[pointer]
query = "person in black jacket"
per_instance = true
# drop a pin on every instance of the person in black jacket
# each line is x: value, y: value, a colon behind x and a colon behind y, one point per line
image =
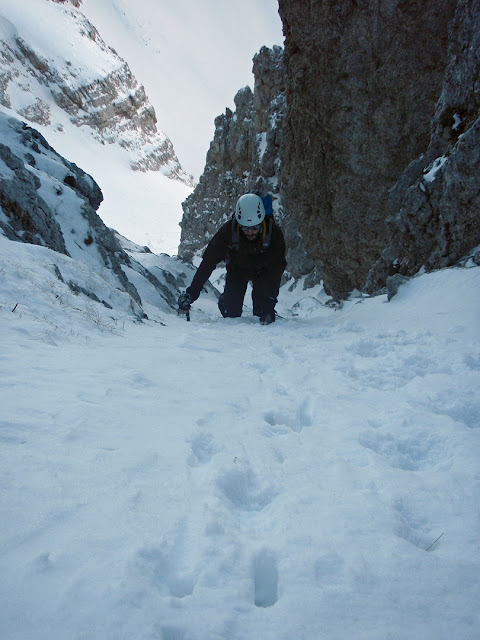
x: 253, y: 248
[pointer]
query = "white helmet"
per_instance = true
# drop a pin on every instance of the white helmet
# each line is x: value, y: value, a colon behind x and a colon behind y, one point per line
x: 249, y: 210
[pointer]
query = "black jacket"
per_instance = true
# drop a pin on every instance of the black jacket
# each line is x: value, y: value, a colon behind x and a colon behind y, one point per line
x: 249, y: 258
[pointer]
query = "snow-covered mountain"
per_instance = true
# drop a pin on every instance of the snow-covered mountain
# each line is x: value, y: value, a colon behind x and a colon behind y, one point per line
x: 219, y: 479
x: 84, y: 98
x: 189, y: 54
x: 51, y: 232
x: 78, y: 79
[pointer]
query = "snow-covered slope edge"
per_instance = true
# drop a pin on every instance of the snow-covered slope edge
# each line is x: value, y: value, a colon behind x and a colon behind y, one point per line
x: 67, y: 253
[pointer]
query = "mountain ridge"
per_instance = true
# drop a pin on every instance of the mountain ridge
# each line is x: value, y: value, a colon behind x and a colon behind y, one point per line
x: 81, y: 76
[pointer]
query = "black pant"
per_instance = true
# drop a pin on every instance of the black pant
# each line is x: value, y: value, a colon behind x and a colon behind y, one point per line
x: 264, y: 294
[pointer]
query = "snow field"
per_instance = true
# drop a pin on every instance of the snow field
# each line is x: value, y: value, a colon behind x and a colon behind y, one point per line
x: 223, y: 480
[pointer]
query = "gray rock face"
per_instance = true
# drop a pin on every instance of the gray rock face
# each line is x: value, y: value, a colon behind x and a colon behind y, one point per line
x: 362, y: 80
x: 76, y: 3
x: 244, y: 156
x: 436, y: 203
x: 28, y: 216
x: 226, y: 172
x: 49, y: 201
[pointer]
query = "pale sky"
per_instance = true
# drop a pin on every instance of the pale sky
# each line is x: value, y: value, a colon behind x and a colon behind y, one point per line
x: 192, y: 56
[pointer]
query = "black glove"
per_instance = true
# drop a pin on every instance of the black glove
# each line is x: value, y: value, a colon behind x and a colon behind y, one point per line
x: 184, y: 302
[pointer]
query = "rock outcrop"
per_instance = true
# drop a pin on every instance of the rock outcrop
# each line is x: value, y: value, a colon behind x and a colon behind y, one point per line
x: 244, y: 156
x: 227, y: 170
x: 436, y: 203
x: 362, y: 80
x: 48, y: 201
x: 76, y: 3
x: 41, y: 79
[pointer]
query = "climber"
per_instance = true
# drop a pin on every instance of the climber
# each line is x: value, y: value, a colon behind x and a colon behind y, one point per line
x: 253, y: 248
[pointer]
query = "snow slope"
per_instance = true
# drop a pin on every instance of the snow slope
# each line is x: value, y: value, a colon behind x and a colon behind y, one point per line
x: 143, y: 206
x: 220, y: 480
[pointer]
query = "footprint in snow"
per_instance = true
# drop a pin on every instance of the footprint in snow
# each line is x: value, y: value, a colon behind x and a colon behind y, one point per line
x: 241, y: 487
x: 167, y: 568
x: 172, y: 633
x: 462, y: 406
x: 203, y: 448
x: 411, y: 526
x: 406, y: 445
x: 265, y: 579
x: 369, y: 348
x: 294, y: 418
x: 139, y: 381
x: 472, y: 362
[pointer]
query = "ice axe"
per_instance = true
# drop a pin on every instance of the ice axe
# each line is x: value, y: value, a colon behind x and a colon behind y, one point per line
x: 184, y: 304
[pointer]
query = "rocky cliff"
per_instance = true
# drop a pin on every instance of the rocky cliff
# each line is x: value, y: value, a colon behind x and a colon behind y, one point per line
x: 45, y: 78
x: 366, y: 130
x: 46, y: 200
x: 435, y: 204
x: 362, y: 80
x: 244, y: 156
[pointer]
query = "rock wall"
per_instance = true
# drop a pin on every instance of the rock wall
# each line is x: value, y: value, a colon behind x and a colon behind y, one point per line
x: 226, y: 173
x: 436, y: 203
x: 244, y: 156
x: 27, y: 217
x: 362, y: 80
x: 48, y: 201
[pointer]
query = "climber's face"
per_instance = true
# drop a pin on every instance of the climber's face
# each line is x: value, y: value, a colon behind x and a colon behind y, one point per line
x: 251, y: 232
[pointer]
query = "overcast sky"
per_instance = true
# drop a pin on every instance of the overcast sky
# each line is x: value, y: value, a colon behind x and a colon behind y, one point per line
x: 191, y: 55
